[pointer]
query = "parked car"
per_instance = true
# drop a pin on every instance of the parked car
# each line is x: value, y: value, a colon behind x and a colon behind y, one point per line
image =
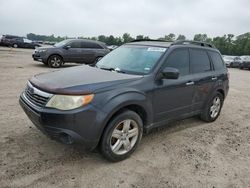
x: 23, y: 43
x: 1, y: 40
x: 6, y: 39
x: 236, y: 63
x: 112, y: 47
x: 133, y: 89
x: 245, y: 62
x: 71, y: 50
x: 230, y: 61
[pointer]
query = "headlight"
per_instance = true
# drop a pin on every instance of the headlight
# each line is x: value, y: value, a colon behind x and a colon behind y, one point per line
x: 40, y: 51
x: 67, y: 102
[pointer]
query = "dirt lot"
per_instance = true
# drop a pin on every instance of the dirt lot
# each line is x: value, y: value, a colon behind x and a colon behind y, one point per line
x: 187, y: 153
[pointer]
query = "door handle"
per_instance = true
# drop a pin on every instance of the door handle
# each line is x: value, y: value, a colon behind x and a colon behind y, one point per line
x: 190, y: 83
x: 214, y: 78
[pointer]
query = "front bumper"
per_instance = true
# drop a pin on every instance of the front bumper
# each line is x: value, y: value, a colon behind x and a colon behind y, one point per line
x: 39, y: 57
x: 81, y: 125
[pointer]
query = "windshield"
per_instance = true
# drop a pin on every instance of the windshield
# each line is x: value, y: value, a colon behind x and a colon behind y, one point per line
x: 62, y: 43
x: 132, y: 59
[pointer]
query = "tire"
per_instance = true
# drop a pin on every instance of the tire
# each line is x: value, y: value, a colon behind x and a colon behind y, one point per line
x: 121, y: 136
x: 15, y: 45
x: 55, y: 61
x: 213, y: 108
x: 98, y: 59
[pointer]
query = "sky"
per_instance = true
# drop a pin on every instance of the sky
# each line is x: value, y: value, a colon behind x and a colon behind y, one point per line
x: 153, y: 18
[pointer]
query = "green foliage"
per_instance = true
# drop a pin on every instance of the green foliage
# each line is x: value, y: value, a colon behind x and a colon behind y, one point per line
x: 181, y: 37
x: 50, y: 38
x: 227, y: 44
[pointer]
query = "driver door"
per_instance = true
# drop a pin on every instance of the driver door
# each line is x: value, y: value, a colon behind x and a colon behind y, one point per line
x: 73, y: 54
x: 173, y: 97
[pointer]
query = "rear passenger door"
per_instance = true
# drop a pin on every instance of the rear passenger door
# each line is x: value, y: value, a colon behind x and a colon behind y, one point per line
x: 203, y: 76
x: 90, y: 52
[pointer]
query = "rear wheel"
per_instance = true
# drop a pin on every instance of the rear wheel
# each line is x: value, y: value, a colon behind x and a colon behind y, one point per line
x: 213, y: 108
x: 121, y: 136
x: 15, y: 45
x: 55, y: 61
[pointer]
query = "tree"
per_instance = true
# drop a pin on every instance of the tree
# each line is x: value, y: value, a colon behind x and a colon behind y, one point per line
x: 169, y: 37
x: 126, y: 38
x: 181, y: 37
x: 201, y: 37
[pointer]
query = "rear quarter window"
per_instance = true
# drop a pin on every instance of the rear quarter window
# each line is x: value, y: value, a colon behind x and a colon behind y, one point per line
x: 217, y: 60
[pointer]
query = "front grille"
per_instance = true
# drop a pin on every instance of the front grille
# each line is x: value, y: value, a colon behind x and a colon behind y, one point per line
x: 36, y: 96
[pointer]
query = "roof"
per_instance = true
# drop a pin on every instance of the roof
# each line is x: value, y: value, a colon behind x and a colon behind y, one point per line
x: 88, y: 40
x: 161, y: 43
x: 164, y: 44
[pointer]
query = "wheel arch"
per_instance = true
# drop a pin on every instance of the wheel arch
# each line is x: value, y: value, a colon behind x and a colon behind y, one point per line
x: 133, y: 101
x: 221, y: 91
x: 55, y: 54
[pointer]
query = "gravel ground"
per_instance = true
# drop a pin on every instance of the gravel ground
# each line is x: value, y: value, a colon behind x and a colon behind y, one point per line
x: 188, y: 153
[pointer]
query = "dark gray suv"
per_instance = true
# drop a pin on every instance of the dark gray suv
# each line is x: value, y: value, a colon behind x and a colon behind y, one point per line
x: 133, y: 89
x: 72, y: 50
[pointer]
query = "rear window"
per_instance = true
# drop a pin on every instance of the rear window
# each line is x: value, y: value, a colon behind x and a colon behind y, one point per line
x: 217, y: 61
x: 199, y: 61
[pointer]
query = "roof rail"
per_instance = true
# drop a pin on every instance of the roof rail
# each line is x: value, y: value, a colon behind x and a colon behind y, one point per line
x: 154, y: 40
x: 198, y: 43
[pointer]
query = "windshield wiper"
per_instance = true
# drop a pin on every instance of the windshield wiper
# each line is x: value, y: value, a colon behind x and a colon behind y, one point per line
x: 112, y: 69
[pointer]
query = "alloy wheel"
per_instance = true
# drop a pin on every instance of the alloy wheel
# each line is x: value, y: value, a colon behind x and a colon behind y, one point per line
x: 55, y: 61
x: 124, y: 137
x: 215, y: 107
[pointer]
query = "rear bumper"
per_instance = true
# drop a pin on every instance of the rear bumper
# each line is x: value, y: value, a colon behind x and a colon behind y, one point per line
x: 245, y: 65
x: 80, y: 125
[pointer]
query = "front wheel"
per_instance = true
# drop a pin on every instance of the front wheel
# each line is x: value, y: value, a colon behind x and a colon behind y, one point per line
x: 213, y: 108
x: 121, y: 136
x: 55, y: 61
x: 15, y: 45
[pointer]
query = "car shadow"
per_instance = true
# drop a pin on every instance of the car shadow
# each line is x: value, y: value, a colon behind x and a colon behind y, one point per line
x: 80, y: 152
x: 41, y: 65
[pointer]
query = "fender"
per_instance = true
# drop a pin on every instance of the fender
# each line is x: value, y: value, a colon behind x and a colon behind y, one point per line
x: 217, y: 86
x: 123, y: 98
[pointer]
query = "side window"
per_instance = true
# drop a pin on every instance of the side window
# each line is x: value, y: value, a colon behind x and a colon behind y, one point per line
x: 91, y: 45
x: 199, y: 61
x: 217, y: 61
x: 75, y: 44
x: 179, y: 59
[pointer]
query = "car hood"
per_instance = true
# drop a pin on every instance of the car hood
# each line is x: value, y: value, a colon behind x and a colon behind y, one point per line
x: 80, y: 80
x: 45, y: 48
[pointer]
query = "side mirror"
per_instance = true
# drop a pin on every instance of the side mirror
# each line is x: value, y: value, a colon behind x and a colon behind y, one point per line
x: 170, y: 73
x: 67, y: 47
